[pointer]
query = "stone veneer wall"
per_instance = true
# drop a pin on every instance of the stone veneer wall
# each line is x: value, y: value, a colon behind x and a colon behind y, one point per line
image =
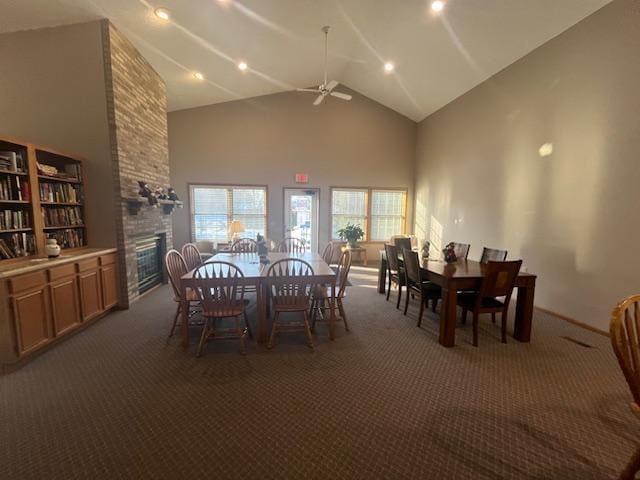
x: 137, y: 114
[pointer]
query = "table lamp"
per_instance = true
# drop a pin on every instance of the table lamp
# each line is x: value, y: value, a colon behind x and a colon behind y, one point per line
x: 235, y: 229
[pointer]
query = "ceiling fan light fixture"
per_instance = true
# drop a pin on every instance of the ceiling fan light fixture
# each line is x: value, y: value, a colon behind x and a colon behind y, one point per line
x: 389, y: 67
x: 437, y: 5
x: 162, y: 14
x: 242, y: 66
x: 198, y: 76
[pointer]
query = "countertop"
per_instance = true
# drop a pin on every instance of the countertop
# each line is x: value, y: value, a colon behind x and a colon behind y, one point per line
x: 39, y: 262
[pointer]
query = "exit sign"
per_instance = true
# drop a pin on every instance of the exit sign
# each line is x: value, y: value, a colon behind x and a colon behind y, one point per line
x: 302, y: 178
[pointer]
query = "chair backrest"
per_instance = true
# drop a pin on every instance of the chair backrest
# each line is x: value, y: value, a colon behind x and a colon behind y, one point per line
x: 391, y: 252
x: 245, y: 245
x: 411, y: 266
x: 176, y: 268
x: 191, y: 256
x: 327, y: 255
x: 205, y: 246
x: 402, y: 242
x: 499, y: 279
x: 625, y: 339
x: 342, y: 272
x: 493, y: 255
x: 462, y: 250
x: 221, y: 289
x: 292, y: 245
x: 290, y: 281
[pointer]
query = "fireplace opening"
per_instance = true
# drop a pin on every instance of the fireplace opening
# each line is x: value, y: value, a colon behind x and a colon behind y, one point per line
x: 149, y: 258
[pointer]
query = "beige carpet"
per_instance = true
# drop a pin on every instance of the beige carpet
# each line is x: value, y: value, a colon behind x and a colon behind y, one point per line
x: 383, y: 401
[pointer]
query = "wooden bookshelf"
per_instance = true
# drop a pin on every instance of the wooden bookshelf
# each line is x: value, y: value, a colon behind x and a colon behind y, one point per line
x: 36, y: 203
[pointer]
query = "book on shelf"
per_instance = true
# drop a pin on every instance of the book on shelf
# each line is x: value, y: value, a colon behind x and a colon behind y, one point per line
x: 11, y: 162
x: 62, y: 216
x: 14, y: 219
x: 72, y: 171
x: 17, y: 245
x: 59, y: 192
x: 68, y: 238
x: 13, y: 188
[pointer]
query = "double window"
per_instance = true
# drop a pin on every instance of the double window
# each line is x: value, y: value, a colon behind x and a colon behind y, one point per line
x: 214, y: 207
x: 381, y: 213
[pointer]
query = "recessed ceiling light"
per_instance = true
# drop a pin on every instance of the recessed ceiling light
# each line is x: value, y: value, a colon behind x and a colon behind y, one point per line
x: 198, y: 75
x: 243, y: 66
x: 162, y: 13
x: 437, y: 6
x: 389, y: 67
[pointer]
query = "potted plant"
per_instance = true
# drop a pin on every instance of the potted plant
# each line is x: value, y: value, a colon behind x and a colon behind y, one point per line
x: 351, y: 234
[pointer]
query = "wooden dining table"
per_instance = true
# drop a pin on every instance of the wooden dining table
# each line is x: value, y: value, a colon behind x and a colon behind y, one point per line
x: 467, y: 275
x: 255, y: 273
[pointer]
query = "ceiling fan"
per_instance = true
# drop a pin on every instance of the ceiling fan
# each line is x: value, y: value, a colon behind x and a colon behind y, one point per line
x: 325, y: 88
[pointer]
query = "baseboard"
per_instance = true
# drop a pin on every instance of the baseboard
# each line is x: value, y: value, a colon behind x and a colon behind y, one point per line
x: 573, y: 321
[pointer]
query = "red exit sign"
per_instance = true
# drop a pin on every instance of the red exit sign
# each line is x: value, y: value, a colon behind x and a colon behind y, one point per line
x: 302, y: 178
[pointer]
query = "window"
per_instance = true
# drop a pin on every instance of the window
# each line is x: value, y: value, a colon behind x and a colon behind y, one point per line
x: 380, y: 212
x: 348, y: 205
x: 214, y: 207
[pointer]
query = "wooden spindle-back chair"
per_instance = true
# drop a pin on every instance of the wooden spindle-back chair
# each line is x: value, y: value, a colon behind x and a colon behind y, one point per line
x: 290, y: 283
x: 625, y: 339
x: 245, y: 245
x: 191, y: 256
x: 417, y: 284
x: 221, y: 290
x: 176, y: 268
x: 327, y: 255
x: 322, y: 294
x: 292, y: 245
x: 395, y: 273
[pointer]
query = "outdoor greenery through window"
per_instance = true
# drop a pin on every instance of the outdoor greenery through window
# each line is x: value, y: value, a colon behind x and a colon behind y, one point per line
x: 380, y: 213
x: 214, y: 207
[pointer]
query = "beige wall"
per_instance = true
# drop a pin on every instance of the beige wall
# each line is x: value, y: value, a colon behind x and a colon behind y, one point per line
x: 572, y: 216
x: 52, y: 92
x: 266, y: 140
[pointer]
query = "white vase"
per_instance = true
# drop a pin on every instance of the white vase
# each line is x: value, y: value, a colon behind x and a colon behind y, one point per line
x: 52, y: 249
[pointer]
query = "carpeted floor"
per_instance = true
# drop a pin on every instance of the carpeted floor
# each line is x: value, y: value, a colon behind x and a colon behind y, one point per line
x: 383, y: 401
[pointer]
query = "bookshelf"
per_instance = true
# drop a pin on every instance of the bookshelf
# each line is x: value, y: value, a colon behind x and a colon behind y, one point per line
x: 41, y: 197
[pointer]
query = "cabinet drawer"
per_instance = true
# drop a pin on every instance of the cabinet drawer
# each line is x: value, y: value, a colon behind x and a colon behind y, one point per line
x: 61, y: 271
x: 109, y: 259
x: 27, y: 282
x: 90, y: 264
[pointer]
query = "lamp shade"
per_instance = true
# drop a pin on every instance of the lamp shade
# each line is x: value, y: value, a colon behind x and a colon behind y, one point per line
x: 235, y: 227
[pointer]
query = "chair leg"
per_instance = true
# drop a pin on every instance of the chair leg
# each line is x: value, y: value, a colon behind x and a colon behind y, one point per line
x: 434, y: 305
x: 273, y: 331
x: 475, y: 329
x: 464, y: 316
x: 389, y: 287
x: 175, y: 322
x: 399, y: 295
x: 421, y: 299
x: 406, y: 301
x: 307, y: 330
x: 632, y: 467
x: 493, y: 317
x: 203, y: 337
x: 342, y: 314
x: 243, y: 337
x: 246, y: 324
x: 504, y: 327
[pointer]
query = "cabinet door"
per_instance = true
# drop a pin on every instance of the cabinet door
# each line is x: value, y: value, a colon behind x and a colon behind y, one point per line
x: 31, y: 312
x: 64, y: 305
x: 109, y: 280
x: 90, y: 294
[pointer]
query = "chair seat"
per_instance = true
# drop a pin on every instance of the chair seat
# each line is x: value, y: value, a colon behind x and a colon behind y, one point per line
x: 192, y: 296
x: 324, y: 292
x: 289, y: 303
x: 468, y: 300
x: 428, y: 288
x: 224, y: 309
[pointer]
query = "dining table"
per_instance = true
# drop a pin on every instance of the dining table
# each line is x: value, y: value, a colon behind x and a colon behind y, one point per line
x: 255, y: 274
x: 467, y: 275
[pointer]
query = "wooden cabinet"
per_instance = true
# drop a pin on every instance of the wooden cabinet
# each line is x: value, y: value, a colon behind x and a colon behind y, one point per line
x: 109, y: 282
x: 64, y: 305
x: 32, y: 319
x: 90, y: 294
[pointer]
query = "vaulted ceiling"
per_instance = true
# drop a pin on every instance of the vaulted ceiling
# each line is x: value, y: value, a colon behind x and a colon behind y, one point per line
x: 437, y: 56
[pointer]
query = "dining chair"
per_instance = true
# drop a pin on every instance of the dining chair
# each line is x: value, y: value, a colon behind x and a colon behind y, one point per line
x: 176, y: 268
x: 292, y: 245
x: 493, y: 255
x: 323, y: 294
x: 395, y: 273
x: 624, y: 329
x: 327, y: 255
x: 221, y: 296
x: 191, y: 256
x: 290, y: 286
x: 245, y: 245
x: 498, y: 280
x: 417, y: 285
x: 461, y: 250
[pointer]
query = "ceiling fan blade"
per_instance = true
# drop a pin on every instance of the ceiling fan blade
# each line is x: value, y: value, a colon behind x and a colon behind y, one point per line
x: 331, y: 85
x: 314, y: 90
x: 318, y: 100
x: 343, y: 96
